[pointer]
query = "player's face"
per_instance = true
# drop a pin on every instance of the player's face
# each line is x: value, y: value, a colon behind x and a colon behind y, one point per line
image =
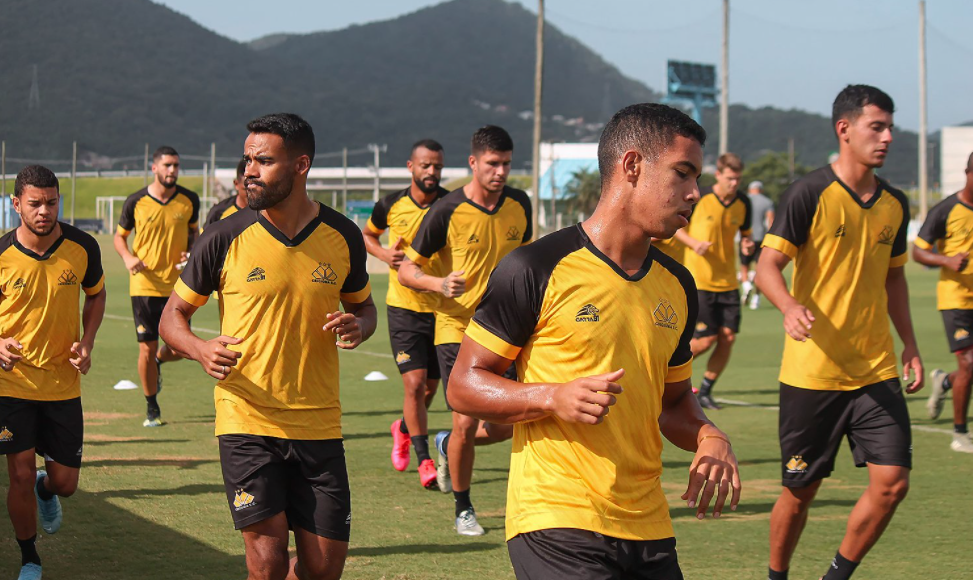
x: 240, y: 186
x: 38, y: 208
x: 869, y: 136
x: 166, y: 170
x: 427, y: 169
x: 270, y: 173
x: 667, y: 190
x: 491, y: 168
x: 728, y: 179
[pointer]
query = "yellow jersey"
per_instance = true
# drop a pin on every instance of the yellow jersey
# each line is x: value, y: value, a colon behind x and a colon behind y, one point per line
x: 949, y: 229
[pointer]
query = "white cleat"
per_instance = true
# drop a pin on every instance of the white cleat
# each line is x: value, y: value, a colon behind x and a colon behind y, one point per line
x: 962, y: 443
x: 937, y: 398
x: 466, y: 524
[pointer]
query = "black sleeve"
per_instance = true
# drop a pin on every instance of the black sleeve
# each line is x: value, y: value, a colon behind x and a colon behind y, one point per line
x: 934, y: 228
x: 748, y: 214
x: 95, y: 272
x: 524, y: 200
x: 433, y: 230
x: 797, y: 207
x: 380, y: 214
x: 214, y: 215
x: 194, y: 199
x: 901, y: 245
x: 202, y: 273
x: 683, y: 352
x: 127, y: 220
x: 511, y: 304
x: 357, y: 275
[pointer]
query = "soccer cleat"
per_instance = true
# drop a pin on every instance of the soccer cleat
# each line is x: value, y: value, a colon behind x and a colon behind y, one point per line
x: 427, y: 474
x: 962, y: 443
x: 49, y: 510
x: 707, y: 402
x: 442, y: 470
x: 400, y: 447
x: 30, y: 571
x: 466, y: 524
x: 755, y: 301
x: 937, y: 398
x: 747, y: 290
x: 158, y: 374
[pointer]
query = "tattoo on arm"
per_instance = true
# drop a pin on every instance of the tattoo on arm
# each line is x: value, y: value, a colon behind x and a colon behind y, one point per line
x: 419, y: 274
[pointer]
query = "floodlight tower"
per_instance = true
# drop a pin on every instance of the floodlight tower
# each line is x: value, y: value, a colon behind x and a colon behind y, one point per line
x: 693, y: 83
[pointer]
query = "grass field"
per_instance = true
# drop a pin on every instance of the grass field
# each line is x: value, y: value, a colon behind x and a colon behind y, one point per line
x: 151, y: 503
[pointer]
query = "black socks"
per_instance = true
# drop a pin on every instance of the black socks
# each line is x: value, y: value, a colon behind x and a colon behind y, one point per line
x: 42, y: 491
x: 28, y: 551
x: 421, y: 444
x: 463, y: 502
x: 841, y: 568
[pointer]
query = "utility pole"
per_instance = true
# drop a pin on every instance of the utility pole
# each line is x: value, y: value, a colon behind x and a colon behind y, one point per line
x: 3, y: 185
x: 146, y: 165
x: 377, y: 150
x: 344, y: 180
x: 923, y: 173
x: 790, y: 159
x: 211, y: 176
x: 74, y: 177
x: 538, y: 93
x: 725, y: 81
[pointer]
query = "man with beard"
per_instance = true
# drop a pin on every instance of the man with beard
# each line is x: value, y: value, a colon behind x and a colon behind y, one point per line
x: 470, y: 230
x: 164, y: 217
x: 44, y: 266
x: 233, y: 203
x: 845, y: 229
x: 280, y: 273
x: 411, y: 318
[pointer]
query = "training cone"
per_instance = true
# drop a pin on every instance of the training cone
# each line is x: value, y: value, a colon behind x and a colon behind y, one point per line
x: 376, y: 376
x: 125, y: 385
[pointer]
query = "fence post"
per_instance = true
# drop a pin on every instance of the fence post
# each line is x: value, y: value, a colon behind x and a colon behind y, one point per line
x: 74, y: 177
x: 146, y: 165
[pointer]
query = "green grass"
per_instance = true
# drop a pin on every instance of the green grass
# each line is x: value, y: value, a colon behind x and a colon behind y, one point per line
x: 151, y: 502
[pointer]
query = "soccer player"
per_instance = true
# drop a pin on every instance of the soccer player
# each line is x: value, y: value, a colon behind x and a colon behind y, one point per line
x: 470, y: 230
x: 411, y: 318
x: 845, y: 229
x: 44, y: 267
x: 599, y: 324
x: 232, y: 204
x: 164, y: 217
x: 947, y: 228
x: 280, y: 272
x: 762, y: 210
x: 711, y: 258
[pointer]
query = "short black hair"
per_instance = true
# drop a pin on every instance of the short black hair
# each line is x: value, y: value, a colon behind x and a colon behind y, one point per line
x: 164, y: 150
x: 969, y: 163
x: 852, y: 99
x: 240, y: 168
x: 296, y: 132
x: 430, y: 144
x: 491, y: 138
x: 36, y: 176
x: 645, y: 127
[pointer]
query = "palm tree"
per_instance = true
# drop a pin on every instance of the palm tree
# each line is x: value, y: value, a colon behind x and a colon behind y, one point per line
x: 583, y: 191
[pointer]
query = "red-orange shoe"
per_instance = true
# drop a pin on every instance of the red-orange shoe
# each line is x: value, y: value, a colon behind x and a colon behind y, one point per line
x: 427, y: 474
x: 400, y: 447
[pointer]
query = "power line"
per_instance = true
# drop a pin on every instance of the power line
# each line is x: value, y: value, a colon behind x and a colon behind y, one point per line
x: 639, y: 31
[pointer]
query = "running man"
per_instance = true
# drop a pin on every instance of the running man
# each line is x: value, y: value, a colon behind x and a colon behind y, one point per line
x: 280, y: 272
x: 44, y: 267
x: 411, y: 318
x: 164, y: 217
x: 710, y: 256
x: 948, y: 229
x: 762, y: 209
x: 598, y: 320
x: 845, y: 229
x: 232, y: 204
x: 470, y: 230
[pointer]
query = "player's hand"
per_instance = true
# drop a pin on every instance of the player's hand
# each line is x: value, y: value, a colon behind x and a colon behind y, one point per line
x: 957, y: 262
x: 82, y: 357
x: 395, y: 255
x: 216, y: 359
x: 134, y: 265
x: 454, y: 284
x: 346, y: 326
x: 702, y: 247
x: 586, y: 400
x: 798, y: 321
x: 714, y: 471
x: 747, y: 246
x: 8, y: 358
x: 912, y: 363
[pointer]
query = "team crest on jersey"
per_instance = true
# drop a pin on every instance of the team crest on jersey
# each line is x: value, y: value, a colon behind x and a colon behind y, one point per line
x: 179, y: 216
x: 402, y: 358
x: 840, y: 232
x: 20, y: 284
x: 242, y: 500
x: 665, y: 316
x: 961, y: 334
x: 140, y: 329
x: 67, y: 278
x: 473, y: 239
x: 796, y: 464
x: 700, y: 326
x: 513, y: 233
x: 257, y: 274
x: 886, y: 236
x: 588, y: 313
x: 402, y: 223
x: 324, y: 274
x: 6, y: 435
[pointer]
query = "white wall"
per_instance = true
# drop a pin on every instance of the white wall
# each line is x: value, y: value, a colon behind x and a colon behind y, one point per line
x: 956, y: 146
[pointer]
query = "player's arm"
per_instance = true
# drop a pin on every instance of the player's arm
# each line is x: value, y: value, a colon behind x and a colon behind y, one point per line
x: 898, y: 304
x: 392, y: 255
x: 213, y: 355
x: 412, y: 276
x: 92, y: 314
x: 770, y: 280
x: 714, y: 470
x: 700, y: 247
x: 355, y: 325
x: 132, y: 262
x: 927, y: 257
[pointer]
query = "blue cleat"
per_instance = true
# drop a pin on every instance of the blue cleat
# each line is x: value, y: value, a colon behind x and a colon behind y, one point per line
x: 30, y: 572
x: 49, y: 511
x: 442, y: 467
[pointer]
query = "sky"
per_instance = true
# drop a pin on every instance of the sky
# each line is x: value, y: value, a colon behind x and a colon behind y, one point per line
x: 783, y: 53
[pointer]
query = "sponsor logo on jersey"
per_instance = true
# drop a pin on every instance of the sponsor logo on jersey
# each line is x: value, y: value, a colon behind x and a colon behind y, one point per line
x: 6, y: 435
x: 67, y: 278
x: 242, y: 500
x: 402, y: 358
x: 840, y: 232
x: 257, y: 274
x: 513, y: 233
x: 886, y: 236
x: 20, y: 284
x: 324, y: 274
x: 961, y: 334
x: 588, y: 313
x: 403, y: 223
x: 473, y: 239
x: 665, y: 316
x: 796, y: 464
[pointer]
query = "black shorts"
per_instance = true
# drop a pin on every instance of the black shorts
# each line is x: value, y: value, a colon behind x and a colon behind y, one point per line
x: 412, y: 337
x: 747, y: 260
x: 812, y: 423
x: 568, y: 554
x: 54, y: 429
x: 717, y: 310
x: 148, y: 313
x: 959, y: 329
x: 307, y: 480
x: 447, y: 358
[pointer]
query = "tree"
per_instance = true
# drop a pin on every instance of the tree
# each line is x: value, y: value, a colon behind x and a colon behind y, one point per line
x: 583, y: 191
x: 772, y: 171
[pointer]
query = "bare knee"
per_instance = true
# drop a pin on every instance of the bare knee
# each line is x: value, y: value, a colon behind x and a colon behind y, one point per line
x: 319, y: 570
x: 414, y: 383
x: 62, y: 484
x: 23, y: 475
x: 464, y: 427
x: 799, y: 499
x: 726, y: 336
x: 148, y: 350
x: 892, y: 493
x: 702, y: 344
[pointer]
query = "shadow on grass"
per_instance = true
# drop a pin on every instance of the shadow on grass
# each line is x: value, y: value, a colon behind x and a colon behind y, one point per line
x: 749, y: 509
x: 138, y: 462
x: 373, y: 551
x: 353, y: 436
x: 734, y: 392
x: 129, y: 441
x: 686, y: 464
x: 370, y: 413
x: 193, y: 489
x: 196, y: 419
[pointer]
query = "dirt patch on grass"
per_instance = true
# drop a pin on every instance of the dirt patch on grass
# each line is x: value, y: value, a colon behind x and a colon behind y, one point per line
x: 111, y: 438
x: 96, y: 416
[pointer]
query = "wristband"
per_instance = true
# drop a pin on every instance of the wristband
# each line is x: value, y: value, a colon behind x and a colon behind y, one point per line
x: 723, y: 439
